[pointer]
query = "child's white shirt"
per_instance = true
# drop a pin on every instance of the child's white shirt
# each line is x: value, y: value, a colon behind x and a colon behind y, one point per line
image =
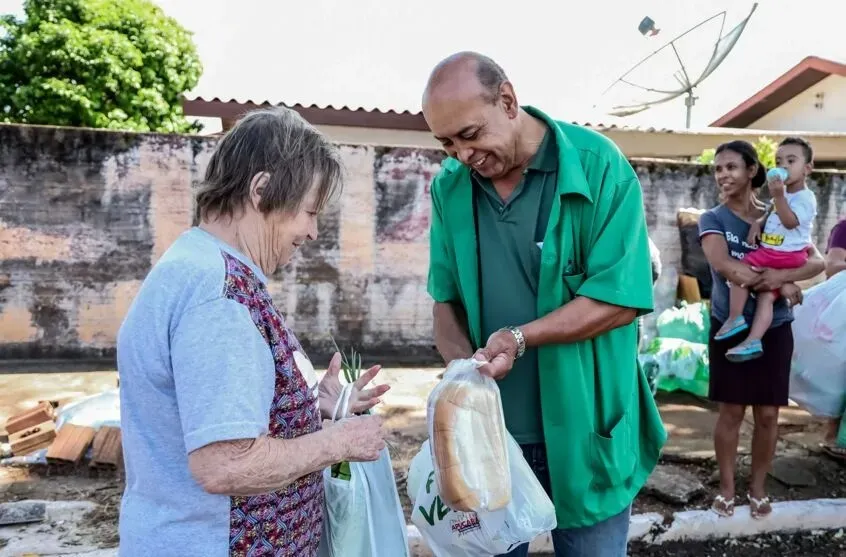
x: 777, y: 237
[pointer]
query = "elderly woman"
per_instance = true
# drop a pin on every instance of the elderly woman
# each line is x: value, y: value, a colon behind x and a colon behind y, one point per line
x: 835, y: 262
x: 220, y: 408
x: 762, y: 383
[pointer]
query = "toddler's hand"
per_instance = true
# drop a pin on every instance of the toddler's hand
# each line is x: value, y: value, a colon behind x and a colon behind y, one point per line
x: 776, y: 188
x: 754, y: 235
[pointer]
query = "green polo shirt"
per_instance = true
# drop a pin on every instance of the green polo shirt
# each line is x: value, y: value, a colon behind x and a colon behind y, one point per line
x: 510, y: 232
x: 601, y: 426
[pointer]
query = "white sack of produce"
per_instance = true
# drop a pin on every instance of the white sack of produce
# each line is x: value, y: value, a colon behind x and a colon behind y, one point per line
x: 468, y: 436
x: 818, y: 371
x: 452, y: 533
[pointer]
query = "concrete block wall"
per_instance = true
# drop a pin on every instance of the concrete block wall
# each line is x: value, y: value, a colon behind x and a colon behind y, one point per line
x: 84, y: 214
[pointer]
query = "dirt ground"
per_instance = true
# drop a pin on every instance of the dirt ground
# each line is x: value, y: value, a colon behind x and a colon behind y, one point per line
x: 404, y: 411
x: 407, y: 434
x: 62, y: 484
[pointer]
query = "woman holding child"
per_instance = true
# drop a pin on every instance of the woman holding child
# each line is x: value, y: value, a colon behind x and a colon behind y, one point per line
x: 757, y: 374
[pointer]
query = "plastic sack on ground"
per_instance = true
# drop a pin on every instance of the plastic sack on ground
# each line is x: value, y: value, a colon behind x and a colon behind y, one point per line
x: 690, y: 322
x: 452, y: 533
x: 818, y: 367
x: 362, y: 511
x: 468, y: 436
x: 673, y: 364
x: 101, y: 409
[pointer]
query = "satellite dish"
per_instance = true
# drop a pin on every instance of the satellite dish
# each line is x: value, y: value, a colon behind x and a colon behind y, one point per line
x: 684, y: 80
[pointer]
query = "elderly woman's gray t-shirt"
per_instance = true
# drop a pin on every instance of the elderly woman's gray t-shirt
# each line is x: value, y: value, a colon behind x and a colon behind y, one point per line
x: 204, y: 357
x: 720, y: 220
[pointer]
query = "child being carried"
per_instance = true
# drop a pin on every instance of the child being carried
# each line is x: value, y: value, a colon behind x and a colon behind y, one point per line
x: 785, y: 236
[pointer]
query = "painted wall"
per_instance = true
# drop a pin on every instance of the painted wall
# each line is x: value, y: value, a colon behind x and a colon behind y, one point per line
x: 822, y: 107
x: 84, y: 214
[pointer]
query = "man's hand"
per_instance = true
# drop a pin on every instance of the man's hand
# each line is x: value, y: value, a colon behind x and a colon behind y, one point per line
x: 754, y: 235
x: 498, y: 354
x: 792, y: 293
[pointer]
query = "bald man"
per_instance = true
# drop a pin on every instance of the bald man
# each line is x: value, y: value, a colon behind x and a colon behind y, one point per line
x: 540, y: 265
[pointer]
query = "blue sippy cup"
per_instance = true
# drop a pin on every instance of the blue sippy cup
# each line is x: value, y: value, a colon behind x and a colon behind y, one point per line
x: 776, y: 174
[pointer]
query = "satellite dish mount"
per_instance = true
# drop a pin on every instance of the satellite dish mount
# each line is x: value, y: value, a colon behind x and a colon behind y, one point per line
x: 686, y: 83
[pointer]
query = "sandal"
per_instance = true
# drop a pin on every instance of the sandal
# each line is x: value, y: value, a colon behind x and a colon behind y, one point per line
x: 745, y: 351
x: 732, y: 328
x: 759, y: 508
x: 722, y: 506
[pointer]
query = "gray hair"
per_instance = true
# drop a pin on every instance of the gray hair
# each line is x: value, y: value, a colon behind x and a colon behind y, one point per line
x: 278, y: 141
x: 490, y: 75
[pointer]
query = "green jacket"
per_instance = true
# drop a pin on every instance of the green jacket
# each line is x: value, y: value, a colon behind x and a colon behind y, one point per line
x: 602, y: 429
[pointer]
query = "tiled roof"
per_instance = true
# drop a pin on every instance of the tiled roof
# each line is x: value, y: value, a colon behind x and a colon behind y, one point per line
x: 314, y: 113
x: 345, y: 115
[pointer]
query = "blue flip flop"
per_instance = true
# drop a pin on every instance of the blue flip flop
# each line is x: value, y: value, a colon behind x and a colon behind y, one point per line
x: 745, y: 351
x: 738, y: 325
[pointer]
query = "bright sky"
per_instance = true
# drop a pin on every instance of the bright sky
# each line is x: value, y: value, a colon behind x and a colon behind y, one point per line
x: 560, y: 55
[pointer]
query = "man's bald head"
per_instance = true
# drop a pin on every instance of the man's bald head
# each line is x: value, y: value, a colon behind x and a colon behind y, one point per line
x: 472, y: 110
x: 466, y: 71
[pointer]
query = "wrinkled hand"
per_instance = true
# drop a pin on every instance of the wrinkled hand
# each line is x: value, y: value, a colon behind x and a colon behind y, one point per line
x: 361, y: 399
x: 792, y: 293
x: 361, y: 438
x: 769, y: 279
x: 498, y: 354
x: 754, y: 235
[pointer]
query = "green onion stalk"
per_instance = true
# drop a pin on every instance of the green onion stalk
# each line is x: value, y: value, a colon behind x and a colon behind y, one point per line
x: 351, y: 368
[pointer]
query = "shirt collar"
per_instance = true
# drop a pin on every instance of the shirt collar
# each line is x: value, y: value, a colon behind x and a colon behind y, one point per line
x: 546, y: 157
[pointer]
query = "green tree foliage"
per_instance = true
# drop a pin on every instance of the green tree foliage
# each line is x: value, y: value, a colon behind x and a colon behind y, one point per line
x: 117, y: 64
x: 765, y: 147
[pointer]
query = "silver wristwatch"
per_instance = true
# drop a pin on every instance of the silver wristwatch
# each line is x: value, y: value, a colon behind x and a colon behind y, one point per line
x: 521, y: 340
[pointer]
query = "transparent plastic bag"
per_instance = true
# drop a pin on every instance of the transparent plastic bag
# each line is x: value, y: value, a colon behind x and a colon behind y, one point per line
x: 362, y: 512
x: 452, y: 533
x: 818, y: 367
x: 469, y: 440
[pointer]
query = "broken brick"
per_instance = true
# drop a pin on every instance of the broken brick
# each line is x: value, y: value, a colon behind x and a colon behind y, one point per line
x: 107, y: 452
x: 71, y: 443
x: 42, y: 413
x: 33, y: 438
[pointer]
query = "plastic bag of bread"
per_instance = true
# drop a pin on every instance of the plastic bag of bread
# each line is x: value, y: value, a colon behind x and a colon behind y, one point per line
x: 451, y: 533
x: 468, y: 439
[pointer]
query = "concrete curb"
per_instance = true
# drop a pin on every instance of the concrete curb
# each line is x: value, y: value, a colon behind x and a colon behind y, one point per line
x: 788, y: 516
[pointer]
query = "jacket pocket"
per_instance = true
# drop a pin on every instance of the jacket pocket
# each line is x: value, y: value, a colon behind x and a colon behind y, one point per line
x: 612, y: 458
x: 573, y: 282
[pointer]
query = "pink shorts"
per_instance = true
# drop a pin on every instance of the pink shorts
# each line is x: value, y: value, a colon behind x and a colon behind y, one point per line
x: 774, y: 259
x: 766, y: 257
